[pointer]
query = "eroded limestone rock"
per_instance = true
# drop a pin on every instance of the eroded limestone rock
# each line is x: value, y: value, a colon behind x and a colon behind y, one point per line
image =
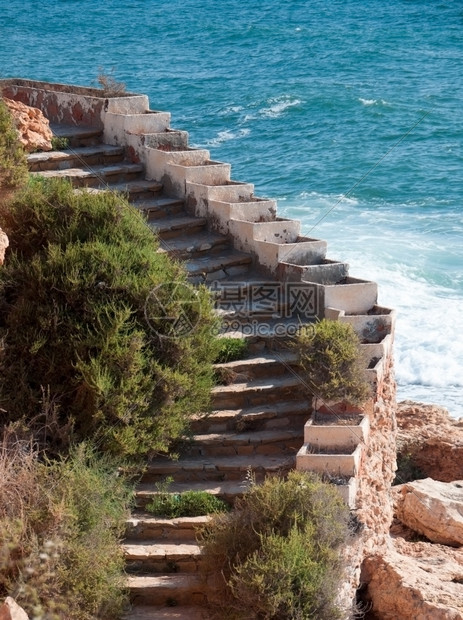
x: 10, y: 610
x: 432, y: 508
x: 415, y: 581
x: 33, y: 128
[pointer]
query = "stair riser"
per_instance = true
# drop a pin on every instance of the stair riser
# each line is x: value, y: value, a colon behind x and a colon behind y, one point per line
x: 290, y: 446
x: 165, y: 565
x: 172, y: 234
x: 239, y: 424
x: 105, y: 179
x: 212, y: 475
x: 254, y: 398
x: 158, y: 213
x: 199, y: 253
x: 169, y: 598
x: 243, y: 373
x: 76, y: 162
x: 150, y: 530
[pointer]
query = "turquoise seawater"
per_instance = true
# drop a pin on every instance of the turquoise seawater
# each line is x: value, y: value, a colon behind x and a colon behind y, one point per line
x: 348, y: 112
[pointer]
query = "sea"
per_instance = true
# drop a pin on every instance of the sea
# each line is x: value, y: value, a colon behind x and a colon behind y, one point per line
x: 348, y: 112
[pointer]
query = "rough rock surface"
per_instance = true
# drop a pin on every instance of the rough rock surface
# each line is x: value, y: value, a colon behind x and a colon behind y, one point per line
x: 3, y: 245
x: 433, y: 438
x: 415, y: 581
x: 33, y: 128
x: 10, y: 610
x: 431, y: 508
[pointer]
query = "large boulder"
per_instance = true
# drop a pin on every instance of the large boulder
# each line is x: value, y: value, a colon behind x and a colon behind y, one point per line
x: 419, y: 581
x: 33, y: 128
x: 3, y: 245
x: 432, y: 508
x: 432, y: 438
x: 10, y: 610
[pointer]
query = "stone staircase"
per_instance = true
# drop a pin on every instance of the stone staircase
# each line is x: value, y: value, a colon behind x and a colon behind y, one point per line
x: 267, y: 278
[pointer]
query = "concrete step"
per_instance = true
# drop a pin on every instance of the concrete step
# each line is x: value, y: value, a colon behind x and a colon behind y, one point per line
x: 279, y: 441
x: 258, y: 392
x: 170, y: 589
x: 75, y: 157
x: 97, y: 175
x: 261, y: 365
x: 227, y: 490
x: 136, y: 190
x: 161, y: 556
x: 176, y: 225
x: 217, y: 266
x: 167, y: 613
x: 286, y: 414
x: 163, y: 206
x: 269, y: 335
x: 143, y: 525
x: 81, y: 135
x: 216, y: 468
x: 196, y: 245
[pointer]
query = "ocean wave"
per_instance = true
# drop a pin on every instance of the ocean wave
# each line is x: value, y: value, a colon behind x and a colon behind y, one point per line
x: 226, y: 136
x: 369, y: 102
x: 278, y: 106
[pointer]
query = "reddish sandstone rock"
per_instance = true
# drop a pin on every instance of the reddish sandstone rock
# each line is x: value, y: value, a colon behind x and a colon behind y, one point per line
x: 434, y: 440
x: 33, y: 128
x: 415, y: 581
x: 3, y: 245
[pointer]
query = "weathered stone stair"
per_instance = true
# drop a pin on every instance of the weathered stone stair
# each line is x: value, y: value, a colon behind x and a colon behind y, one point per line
x: 230, y: 240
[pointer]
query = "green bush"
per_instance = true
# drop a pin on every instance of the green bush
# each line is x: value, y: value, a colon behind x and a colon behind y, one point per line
x: 278, y: 551
x: 90, y: 315
x: 60, y: 527
x: 13, y: 162
x: 331, y: 361
x: 230, y: 349
x: 186, y: 504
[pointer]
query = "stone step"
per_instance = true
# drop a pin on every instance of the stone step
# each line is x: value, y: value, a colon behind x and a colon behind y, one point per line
x: 96, y: 175
x: 280, y: 441
x: 136, y: 190
x: 226, y: 490
x: 163, y: 206
x: 80, y: 135
x: 143, y: 525
x: 170, y: 589
x: 217, y: 266
x: 258, y: 392
x: 167, y: 613
x: 194, y: 245
x: 176, y: 225
x: 161, y: 556
x: 216, y: 468
x: 269, y: 335
x: 75, y: 157
x: 261, y: 365
x: 286, y: 414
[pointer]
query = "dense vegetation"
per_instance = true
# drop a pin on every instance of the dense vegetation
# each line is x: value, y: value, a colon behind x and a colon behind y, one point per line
x: 13, y: 163
x: 331, y: 362
x: 278, y: 551
x: 89, y: 350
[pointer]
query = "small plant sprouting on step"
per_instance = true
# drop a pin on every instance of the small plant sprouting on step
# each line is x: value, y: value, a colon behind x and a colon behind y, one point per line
x: 110, y: 86
x: 231, y: 349
x: 186, y: 504
x: 59, y: 143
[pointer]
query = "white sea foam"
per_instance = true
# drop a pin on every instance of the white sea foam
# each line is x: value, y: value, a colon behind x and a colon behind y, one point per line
x: 278, y: 106
x: 226, y: 136
x: 368, y: 102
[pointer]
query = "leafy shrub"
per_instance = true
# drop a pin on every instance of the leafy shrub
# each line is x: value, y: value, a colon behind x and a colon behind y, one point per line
x: 407, y: 468
x: 85, y: 307
x: 60, y: 526
x: 331, y: 360
x: 186, y: 504
x: 13, y: 162
x: 230, y: 349
x: 278, y: 551
x: 59, y: 143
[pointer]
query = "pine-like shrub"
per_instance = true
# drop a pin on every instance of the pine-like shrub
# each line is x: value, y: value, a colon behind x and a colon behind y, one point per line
x: 331, y: 361
x: 278, y: 551
x: 13, y: 162
x: 102, y: 336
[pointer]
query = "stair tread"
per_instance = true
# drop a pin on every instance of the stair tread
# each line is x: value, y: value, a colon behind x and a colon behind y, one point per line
x: 61, y: 130
x: 223, y: 487
x: 176, y: 523
x: 93, y: 171
x: 178, y: 612
x: 177, y: 223
x: 245, y: 438
x: 259, y: 384
x: 275, y: 357
x: 210, y: 463
x: 157, y: 203
x: 159, y: 549
x: 81, y: 151
x: 202, y: 240
x: 216, y: 262
x: 301, y: 405
x: 171, y: 581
